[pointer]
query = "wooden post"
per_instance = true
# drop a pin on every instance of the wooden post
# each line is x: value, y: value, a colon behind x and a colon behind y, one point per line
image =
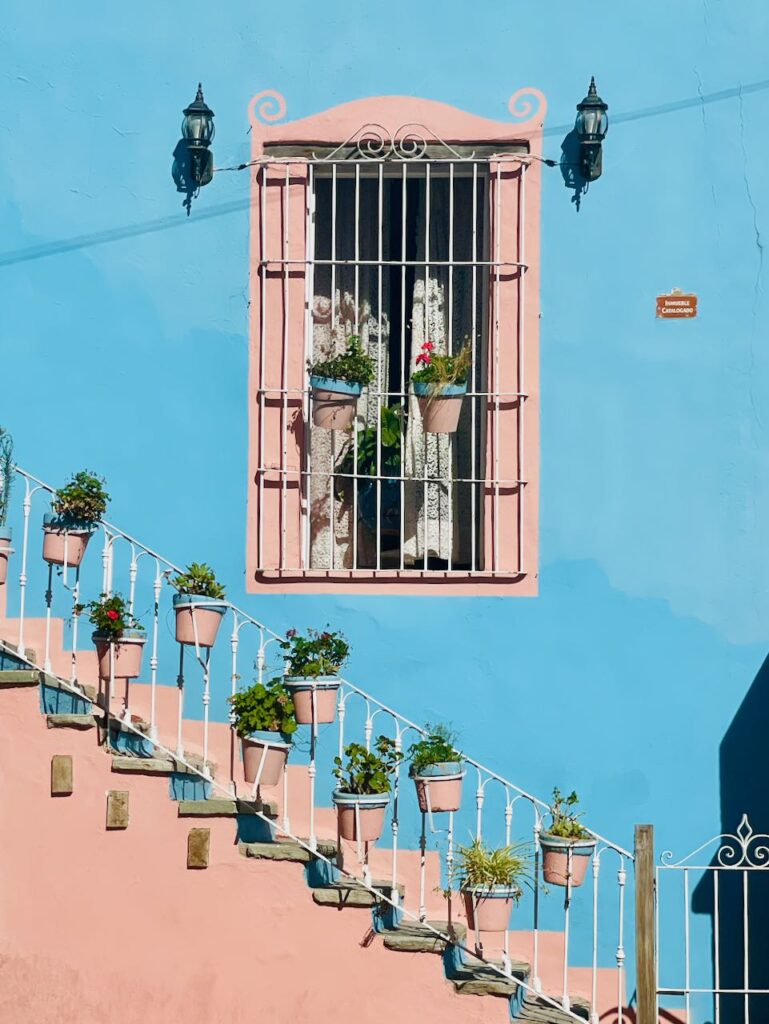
x: 646, y: 972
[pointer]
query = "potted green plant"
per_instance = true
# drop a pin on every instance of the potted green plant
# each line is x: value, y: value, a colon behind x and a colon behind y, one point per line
x: 491, y: 883
x: 379, y: 454
x: 567, y: 846
x: 263, y: 718
x: 199, y: 605
x: 363, y: 788
x: 436, y: 768
x: 337, y: 383
x: 313, y: 662
x: 440, y: 384
x: 6, y: 481
x: 77, y: 509
x: 118, y: 636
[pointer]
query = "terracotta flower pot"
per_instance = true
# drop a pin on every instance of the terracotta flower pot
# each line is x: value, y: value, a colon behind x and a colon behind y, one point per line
x: 333, y: 402
x: 127, y: 658
x: 364, y: 808
x: 325, y: 689
x: 555, y: 859
x: 439, y: 786
x: 264, y: 757
x: 440, y: 406
x: 5, y: 552
x: 489, y: 908
x: 193, y: 611
x: 65, y: 538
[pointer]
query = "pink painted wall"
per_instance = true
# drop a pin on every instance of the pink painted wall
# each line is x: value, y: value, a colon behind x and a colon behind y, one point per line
x: 98, y: 925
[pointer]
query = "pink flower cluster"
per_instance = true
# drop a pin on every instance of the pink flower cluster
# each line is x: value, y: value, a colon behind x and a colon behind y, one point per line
x: 425, y: 356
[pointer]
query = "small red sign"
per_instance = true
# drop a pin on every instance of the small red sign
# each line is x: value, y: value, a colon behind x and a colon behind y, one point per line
x: 676, y: 306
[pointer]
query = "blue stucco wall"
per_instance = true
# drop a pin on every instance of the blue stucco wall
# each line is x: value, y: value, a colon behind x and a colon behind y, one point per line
x: 123, y: 348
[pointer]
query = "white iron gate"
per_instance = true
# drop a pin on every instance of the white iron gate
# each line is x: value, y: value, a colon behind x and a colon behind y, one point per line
x: 712, y: 947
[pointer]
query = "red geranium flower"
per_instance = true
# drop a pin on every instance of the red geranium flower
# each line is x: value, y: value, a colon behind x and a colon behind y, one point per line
x: 428, y: 345
x: 112, y: 614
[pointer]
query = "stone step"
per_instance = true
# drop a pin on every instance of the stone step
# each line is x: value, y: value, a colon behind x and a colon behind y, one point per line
x: 84, y: 689
x: 415, y: 937
x: 71, y: 721
x: 11, y: 678
x: 287, y: 849
x: 221, y: 807
x: 160, y: 765
x: 535, y: 1008
x: 28, y: 654
x: 349, y: 893
x: 475, y: 978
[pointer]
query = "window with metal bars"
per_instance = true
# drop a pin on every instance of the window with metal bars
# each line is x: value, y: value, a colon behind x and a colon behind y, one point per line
x: 397, y: 241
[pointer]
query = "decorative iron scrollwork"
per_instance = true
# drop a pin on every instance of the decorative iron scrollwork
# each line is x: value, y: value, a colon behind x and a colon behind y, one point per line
x: 744, y: 849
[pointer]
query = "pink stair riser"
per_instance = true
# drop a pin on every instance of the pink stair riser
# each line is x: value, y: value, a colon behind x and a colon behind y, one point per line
x: 274, y: 758
x: 55, y: 541
x: 486, y: 912
x: 325, y: 703
x: 555, y: 866
x: 445, y: 793
x: 207, y: 622
x: 440, y: 415
x: 127, y: 658
x: 332, y: 410
x: 371, y: 822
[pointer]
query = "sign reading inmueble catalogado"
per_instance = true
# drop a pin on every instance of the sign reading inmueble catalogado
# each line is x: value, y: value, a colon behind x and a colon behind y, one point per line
x: 676, y: 306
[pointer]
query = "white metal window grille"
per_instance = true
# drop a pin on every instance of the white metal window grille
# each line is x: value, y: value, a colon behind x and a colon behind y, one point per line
x: 399, y: 242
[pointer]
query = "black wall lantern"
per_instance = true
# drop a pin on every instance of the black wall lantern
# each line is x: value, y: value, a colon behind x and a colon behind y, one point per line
x: 591, y: 127
x: 193, y: 161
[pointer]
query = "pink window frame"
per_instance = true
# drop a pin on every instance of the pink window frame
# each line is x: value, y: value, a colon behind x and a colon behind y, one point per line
x: 278, y: 223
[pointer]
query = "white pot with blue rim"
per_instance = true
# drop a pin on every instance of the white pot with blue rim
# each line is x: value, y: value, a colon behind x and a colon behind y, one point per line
x: 439, y: 406
x: 565, y: 861
x: 6, y: 551
x: 198, y: 619
x: 314, y: 698
x: 65, y: 538
x: 334, y: 402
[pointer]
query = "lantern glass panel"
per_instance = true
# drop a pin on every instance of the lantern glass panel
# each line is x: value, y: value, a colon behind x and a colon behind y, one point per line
x: 198, y: 127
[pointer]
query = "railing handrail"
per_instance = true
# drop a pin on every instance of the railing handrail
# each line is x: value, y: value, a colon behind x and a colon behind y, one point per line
x: 538, y: 804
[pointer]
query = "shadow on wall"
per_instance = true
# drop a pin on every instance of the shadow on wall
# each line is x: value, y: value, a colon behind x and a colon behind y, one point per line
x: 570, y: 172
x: 744, y: 782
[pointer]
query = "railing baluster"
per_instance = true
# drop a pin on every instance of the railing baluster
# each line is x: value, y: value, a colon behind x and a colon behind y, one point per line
x: 48, y: 614
x: 180, y: 704
x: 594, y: 977
x: 621, y: 880
x: 536, y: 979
x: 27, y: 506
x: 156, y: 589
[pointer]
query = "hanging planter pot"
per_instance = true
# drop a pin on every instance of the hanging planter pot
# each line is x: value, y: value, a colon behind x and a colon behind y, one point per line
x: 321, y: 691
x: 489, y: 908
x: 65, y: 539
x: 440, y: 406
x: 439, y: 786
x: 360, y: 815
x: 556, y: 854
x: 264, y: 757
x: 333, y: 402
x: 196, y: 615
x: 126, y: 660
x: 5, y: 552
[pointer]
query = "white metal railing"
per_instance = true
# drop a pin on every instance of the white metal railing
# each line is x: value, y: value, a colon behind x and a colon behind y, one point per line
x: 343, y: 225
x: 490, y: 813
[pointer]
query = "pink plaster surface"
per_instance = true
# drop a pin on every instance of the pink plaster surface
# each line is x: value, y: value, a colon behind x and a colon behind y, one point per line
x: 98, y: 925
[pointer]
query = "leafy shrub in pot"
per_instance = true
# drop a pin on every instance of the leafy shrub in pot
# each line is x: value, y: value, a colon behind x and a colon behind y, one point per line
x: 436, y: 768
x: 77, y: 509
x: 199, y: 605
x: 337, y: 383
x: 6, y: 482
x: 313, y: 661
x: 567, y: 846
x: 491, y: 882
x: 119, y: 638
x: 263, y: 718
x: 364, y: 780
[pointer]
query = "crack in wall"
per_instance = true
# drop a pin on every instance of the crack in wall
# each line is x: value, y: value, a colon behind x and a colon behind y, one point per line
x: 751, y: 202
